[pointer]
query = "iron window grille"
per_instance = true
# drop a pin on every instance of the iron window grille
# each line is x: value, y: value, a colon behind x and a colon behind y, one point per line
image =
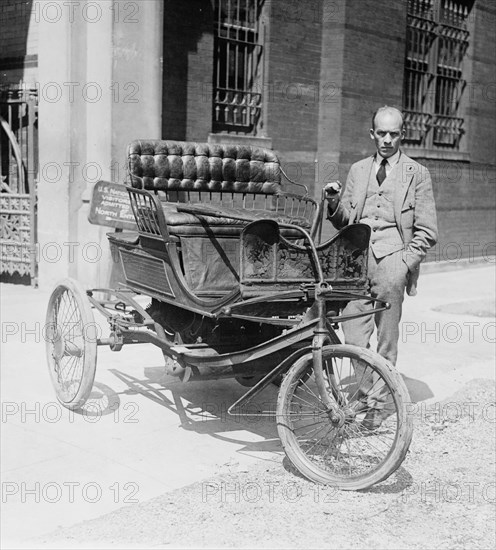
x: 436, y: 44
x: 238, y: 66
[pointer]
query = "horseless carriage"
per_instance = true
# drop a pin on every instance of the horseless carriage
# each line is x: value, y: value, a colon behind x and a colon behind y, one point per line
x: 239, y: 285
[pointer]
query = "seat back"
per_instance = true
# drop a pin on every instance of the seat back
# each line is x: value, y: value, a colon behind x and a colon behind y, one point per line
x: 232, y: 178
x: 180, y: 166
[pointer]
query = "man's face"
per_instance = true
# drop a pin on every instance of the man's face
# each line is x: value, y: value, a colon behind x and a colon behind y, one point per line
x: 387, y: 133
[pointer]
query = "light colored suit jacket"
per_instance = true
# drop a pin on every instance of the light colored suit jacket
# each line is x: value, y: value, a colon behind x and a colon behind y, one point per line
x: 414, y: 208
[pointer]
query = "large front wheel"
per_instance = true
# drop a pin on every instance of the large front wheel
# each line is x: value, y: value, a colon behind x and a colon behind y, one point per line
x: 71, y: 338
x: 356, y: 437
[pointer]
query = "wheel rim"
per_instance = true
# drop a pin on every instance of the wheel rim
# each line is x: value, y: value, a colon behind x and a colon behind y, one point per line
x: 335, y: 442
x: 67, y: 342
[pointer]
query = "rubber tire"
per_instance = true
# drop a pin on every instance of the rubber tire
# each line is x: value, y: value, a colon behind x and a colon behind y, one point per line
x: 89, y: 345
x: 404, y: 432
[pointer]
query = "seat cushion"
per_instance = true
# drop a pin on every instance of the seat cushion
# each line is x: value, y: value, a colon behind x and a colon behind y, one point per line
x: 186, y: 223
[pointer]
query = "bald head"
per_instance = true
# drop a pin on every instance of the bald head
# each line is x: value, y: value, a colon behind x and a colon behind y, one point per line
x: 396, y: 114
x: 387, y: 130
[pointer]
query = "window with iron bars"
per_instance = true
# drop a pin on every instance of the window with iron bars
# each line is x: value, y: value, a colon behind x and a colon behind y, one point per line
x: 238, y: 66
x: 436, y: 44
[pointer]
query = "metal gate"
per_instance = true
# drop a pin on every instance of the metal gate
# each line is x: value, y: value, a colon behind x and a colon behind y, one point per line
x: 18, y: 169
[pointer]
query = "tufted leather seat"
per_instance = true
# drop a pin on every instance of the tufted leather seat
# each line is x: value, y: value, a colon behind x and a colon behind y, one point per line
x: 185, y: 166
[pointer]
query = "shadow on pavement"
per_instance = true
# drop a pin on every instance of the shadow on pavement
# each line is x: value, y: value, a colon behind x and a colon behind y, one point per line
x: 205, y: 410
x: 418, y: 390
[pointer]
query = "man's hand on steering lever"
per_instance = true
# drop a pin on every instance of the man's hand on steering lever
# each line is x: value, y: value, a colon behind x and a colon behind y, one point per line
x: 333, y: 194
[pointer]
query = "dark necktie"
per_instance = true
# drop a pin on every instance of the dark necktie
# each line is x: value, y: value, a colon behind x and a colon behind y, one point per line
x: 381, y: 173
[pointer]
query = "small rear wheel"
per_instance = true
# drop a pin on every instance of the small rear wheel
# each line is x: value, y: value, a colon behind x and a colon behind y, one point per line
x: 71, y: 341
x: 362, y: 436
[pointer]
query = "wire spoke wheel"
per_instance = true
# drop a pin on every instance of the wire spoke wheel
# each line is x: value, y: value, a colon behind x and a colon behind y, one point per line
x: 71, y: 341
x: 358, y: 440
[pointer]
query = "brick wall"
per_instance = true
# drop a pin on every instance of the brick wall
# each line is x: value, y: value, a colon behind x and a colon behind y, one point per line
x: 293, y: 87
x: 373, y: 65
x: 187, y: 69
x: 465, y: 192
x: 18, y: 41
x: 480, y: 91
x: 16, y: 19
x: 465, y: 195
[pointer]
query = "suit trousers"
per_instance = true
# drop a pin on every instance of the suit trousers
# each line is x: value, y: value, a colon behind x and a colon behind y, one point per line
x: 387, y: 279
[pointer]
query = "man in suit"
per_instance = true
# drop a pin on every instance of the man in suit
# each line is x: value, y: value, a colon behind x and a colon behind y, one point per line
x: 392, y: 194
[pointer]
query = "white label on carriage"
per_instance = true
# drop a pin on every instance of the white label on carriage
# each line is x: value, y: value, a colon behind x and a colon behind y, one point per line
x: 110, y: 206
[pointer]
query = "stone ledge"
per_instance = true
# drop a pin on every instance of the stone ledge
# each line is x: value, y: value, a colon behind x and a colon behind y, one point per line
x: 228, y: 139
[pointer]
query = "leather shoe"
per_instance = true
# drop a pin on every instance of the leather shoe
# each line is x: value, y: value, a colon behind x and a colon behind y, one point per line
x: 372, y: 420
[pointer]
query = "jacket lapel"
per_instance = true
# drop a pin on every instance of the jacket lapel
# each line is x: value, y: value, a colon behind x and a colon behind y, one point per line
x: 362, y: 182
x: 404, y: 177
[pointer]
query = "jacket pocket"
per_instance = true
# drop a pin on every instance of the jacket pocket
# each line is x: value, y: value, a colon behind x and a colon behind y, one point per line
x: 406, y: 207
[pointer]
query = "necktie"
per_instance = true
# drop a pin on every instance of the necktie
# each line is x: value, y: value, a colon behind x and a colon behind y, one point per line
x: 381, y: 173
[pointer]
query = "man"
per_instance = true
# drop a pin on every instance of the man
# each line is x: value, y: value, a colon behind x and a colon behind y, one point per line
x: 392, y: 194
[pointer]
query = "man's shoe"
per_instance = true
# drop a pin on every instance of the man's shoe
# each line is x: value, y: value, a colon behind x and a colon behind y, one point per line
x: 372, y: 420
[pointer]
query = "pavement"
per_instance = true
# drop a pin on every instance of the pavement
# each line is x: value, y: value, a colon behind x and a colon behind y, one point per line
x: 144, y: 433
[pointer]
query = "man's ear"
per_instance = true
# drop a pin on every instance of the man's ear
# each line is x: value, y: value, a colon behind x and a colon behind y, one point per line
x: 372, y: 133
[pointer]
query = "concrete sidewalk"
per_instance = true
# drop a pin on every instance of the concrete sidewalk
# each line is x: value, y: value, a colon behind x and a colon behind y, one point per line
x: 144, y: 433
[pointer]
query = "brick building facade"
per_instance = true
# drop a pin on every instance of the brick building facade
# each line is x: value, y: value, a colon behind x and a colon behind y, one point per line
x: 316, y: 72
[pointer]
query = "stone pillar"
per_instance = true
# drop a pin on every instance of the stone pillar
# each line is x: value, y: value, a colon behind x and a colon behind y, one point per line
x: 55, y: 150
x: 136, y: 78
x: 329, y: 127
x: 331, y: 83
x: 104, y: 60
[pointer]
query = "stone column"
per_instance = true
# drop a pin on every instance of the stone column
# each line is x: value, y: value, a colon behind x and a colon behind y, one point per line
x: 55, y: 149
x: 104, y: 61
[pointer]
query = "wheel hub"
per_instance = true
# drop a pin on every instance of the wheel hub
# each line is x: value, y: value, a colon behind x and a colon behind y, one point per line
x: 337, y: 417
x: 58, y: 348
x: 63, y: 347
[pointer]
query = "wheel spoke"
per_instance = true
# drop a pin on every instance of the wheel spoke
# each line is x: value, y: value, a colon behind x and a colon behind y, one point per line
x: 306, y: 402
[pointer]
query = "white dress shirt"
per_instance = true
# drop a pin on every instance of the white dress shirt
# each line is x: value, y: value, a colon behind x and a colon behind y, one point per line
x: 390, y: 164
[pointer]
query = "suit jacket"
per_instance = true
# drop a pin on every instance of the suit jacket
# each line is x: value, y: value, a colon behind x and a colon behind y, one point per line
x: 414, y: 209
